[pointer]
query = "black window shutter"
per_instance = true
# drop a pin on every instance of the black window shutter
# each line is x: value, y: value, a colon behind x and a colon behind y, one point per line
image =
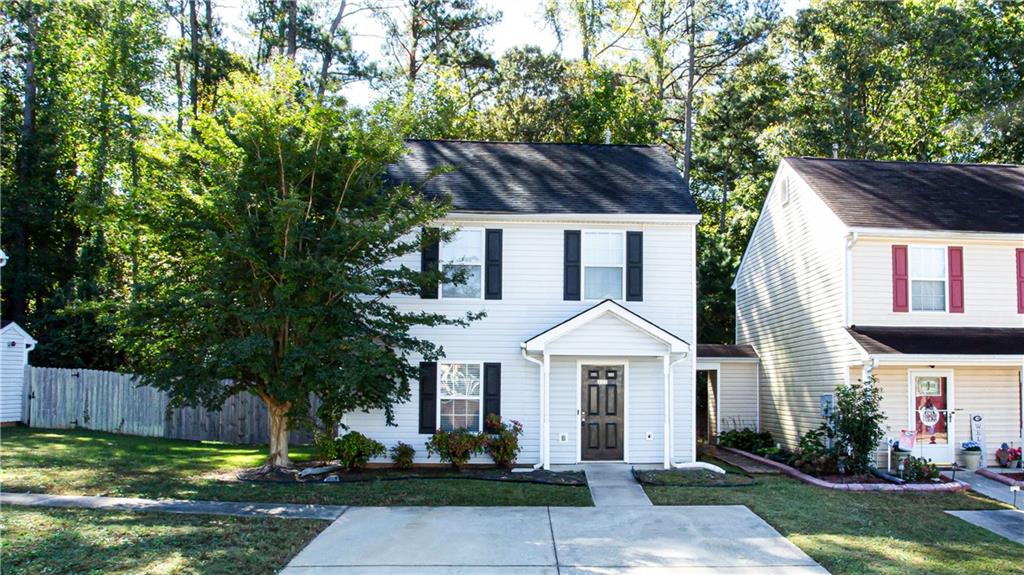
x: 492, y: 390
x: 428, y: 397
x: 634, y: 266
x: 571, y: 282
x: 492, y: 273
x: 429, y: 254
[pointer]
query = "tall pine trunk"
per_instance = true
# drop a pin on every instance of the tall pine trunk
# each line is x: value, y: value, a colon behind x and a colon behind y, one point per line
x: 18, y: 294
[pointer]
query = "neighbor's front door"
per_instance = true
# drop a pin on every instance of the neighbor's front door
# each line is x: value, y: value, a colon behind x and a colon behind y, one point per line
x: 601, y: 417
x: 931, y: 407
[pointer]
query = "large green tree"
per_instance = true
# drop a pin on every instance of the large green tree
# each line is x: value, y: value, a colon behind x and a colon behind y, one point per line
x: 275, y: 269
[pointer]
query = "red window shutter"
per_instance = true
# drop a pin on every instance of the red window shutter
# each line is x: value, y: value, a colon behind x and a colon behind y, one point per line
x: 900, y: 282
x: 956, y: 279
x: 1020, y: 280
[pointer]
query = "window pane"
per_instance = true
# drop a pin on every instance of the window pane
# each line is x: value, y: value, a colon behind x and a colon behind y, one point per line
x: 459, y: 379
x: 471, y: 288
x: 602, y: 283
x: 464, y: 248
x: 927, y: 262
x: 603, y: 249
x: 928, y: 295
x: 460, y: 414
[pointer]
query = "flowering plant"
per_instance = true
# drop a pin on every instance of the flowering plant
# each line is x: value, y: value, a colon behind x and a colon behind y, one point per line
x: 970, y: 446
x: 1006, y: 455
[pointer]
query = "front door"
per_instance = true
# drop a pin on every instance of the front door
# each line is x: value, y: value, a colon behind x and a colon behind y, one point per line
x: 931, y: 407
x: 602, y: 418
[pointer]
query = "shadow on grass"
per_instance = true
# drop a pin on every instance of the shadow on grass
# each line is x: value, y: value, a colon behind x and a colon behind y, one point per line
x: 91, y: 541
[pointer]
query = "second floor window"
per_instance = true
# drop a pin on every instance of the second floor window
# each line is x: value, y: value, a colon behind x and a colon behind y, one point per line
x: 604, y: 262
x: 928, y: 278
x: 464, y: 253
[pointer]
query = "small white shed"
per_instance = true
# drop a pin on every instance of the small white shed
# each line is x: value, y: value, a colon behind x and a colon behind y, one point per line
x: 15, y: 343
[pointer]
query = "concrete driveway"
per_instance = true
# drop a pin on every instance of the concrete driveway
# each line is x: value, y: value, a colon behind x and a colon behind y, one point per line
x: 701, y: 540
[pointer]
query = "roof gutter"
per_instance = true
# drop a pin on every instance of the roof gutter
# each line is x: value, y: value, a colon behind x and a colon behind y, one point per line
x: 937, y: 234
x: 456, y: 216
x: 1013, y: 360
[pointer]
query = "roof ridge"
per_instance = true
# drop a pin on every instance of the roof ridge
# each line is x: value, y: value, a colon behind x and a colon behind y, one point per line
x: 867, y: 161
x: 520, y: 142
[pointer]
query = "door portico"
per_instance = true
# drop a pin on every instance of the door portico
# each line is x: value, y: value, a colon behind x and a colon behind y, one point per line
x: 606, y: 336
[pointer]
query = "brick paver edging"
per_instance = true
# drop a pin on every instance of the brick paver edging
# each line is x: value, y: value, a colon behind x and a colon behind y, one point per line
x: 998, y: 477
x: 797, y: 474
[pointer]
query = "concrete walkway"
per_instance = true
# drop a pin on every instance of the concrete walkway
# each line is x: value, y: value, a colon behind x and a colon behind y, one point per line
x: 613, y: 485
x: 1006, y: 522
x: 987, y: 487
x: 705, y: 540
x: 280, y: 510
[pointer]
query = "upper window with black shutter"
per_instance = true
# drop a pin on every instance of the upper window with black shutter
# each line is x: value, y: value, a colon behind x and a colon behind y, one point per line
x: 464, y: 253
x: 604, y: 264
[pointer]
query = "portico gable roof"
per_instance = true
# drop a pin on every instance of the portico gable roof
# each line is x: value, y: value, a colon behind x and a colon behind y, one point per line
x: 539, y: 342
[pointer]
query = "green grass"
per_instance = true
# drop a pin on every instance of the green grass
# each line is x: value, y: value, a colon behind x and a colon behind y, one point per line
x: 51, y: 541
x: 94, y: 463
x: 891, y: 533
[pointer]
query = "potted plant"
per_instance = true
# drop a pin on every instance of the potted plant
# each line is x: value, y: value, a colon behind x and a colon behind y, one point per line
x: 897, y: 453
x: 971, y: 451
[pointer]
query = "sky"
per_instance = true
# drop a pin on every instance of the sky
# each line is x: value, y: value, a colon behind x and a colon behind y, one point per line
x: 522, y: 23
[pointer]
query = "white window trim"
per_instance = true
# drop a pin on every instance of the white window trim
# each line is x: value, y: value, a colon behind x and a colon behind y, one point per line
x: 911, y: 279
x: 584, y: 266
x: 480, y: 416
x: 483, y: 266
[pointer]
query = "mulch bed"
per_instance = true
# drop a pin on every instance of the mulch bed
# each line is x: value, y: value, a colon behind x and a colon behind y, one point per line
x: 539, y: 476
x: 692, y: 478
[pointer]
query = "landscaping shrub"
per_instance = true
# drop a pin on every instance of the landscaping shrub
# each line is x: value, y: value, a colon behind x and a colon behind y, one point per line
x: 324, y: 446
x: 845, y: 441
x: 746, y: 439
x: 402, y: 455
x: 354, y: 450
x: 503, y: 442
x: 916, y: 469
x: 455, y: 447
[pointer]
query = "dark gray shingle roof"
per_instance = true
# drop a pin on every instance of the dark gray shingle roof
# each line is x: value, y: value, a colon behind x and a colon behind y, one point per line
x: 710, y: 350
x: 919, y: 196
x: 548, y: 178
x: 940, y: 340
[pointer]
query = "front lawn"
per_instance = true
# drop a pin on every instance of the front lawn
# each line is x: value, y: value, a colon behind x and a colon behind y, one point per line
x: 94, y: 463
x: 40, y: 541
x: 891, y: 533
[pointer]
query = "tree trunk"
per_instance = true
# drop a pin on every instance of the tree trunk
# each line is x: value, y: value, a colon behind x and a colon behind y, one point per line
x: 691, y: 66
x: 278, y: 414
x: 725, y: 207
x: 292, y: 22
x: 193, y: 83
x: 325, y: 67
x: 18, y: 294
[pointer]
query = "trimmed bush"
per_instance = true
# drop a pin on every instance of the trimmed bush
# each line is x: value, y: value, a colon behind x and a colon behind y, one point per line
x: 354, y: 450
x: 455, y: 447
x: 503, y: 442
x: 402, y: 455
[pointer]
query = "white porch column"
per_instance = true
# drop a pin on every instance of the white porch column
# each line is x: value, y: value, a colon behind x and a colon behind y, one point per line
x: 546, y: 414
x: 668, y: 410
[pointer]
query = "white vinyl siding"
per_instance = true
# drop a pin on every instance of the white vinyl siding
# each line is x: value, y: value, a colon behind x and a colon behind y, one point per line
x: 790, y: 307
x: 609, y: 336
x: 737, y: 395
x: 531, y: 303
x: 13, y: 360
x: 990, y: 294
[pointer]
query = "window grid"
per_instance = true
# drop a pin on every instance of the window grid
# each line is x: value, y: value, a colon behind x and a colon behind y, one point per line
x: 460, y: 396
x: 603, y: 260
x: 465, y: 250
x: 928, y: 278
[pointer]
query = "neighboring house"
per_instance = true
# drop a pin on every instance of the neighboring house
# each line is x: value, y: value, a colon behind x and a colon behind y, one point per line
x: 15, y: 343
x: 583, y: 258
x: 908, y: 273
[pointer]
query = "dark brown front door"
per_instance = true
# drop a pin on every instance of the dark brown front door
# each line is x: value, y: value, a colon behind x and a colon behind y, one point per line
x: 601, y: 420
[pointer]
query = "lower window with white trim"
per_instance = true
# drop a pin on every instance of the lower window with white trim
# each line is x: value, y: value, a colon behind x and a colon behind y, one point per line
x: 460, y: 396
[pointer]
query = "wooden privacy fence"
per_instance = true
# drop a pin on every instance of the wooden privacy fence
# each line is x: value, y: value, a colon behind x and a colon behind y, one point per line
x: 108, y: 401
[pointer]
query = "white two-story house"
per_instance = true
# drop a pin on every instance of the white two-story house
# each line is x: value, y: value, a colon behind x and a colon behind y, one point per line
x: 582, y: 257
x: 908, y: 273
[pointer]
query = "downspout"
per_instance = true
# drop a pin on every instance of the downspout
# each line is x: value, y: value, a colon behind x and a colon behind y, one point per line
x: 851, y: 240
x: 671, y: 408
x: 540, y: 407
